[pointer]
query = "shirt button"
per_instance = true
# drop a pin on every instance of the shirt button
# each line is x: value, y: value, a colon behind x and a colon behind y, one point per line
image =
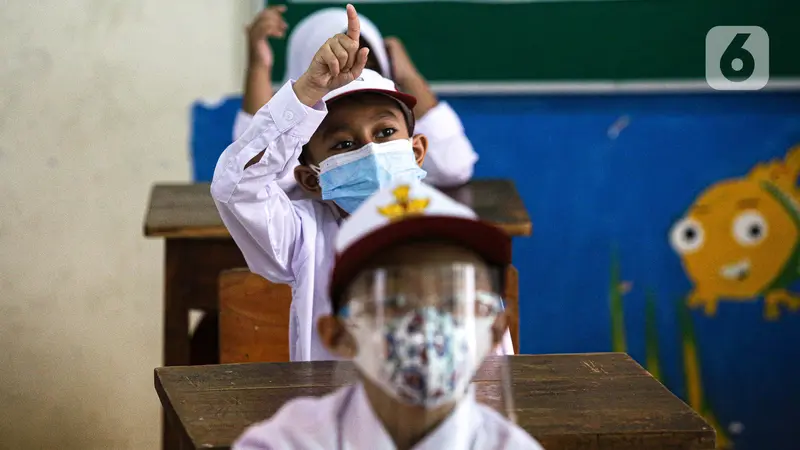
x: 288, y: 115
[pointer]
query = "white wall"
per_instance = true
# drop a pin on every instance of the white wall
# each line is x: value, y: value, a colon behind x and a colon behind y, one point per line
x: 94, y: 108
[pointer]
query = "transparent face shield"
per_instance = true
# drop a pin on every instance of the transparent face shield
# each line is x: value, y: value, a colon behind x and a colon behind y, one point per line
x: 423, y: 332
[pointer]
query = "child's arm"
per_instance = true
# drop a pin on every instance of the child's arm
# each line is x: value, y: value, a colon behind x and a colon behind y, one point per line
x: 258, y: 214
x: 258, y: 85
x: 450, y: 159
x: 297, y: 425
x: 258, y: 78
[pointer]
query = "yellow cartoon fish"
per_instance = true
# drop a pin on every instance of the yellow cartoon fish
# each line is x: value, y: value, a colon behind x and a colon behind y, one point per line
x: 740, y: 240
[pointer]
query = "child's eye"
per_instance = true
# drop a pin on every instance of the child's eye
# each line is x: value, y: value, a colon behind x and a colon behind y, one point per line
x: 344, y: 145
x: 386, y: 132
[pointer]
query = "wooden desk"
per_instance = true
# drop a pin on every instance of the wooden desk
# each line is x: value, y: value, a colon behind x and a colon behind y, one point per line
x: 568, y: 402
x: 199, y: 247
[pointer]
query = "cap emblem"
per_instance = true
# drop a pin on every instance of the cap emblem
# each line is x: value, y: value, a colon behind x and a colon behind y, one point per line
x: 403, y: 206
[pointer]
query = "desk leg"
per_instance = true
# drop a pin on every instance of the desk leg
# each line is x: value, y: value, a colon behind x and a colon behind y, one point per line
x: 176, y: 308
x: 191, y: 274
x: 176, y: 326
x: 511, y: 297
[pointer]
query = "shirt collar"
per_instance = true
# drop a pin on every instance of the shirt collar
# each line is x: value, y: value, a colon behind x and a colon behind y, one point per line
x: 363, y: 429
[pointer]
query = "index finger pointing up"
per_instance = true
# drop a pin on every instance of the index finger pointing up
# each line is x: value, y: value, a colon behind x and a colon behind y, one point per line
x: 353, y: 25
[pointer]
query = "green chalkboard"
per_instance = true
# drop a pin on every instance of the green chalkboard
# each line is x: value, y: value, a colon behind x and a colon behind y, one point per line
x: 586, y: 40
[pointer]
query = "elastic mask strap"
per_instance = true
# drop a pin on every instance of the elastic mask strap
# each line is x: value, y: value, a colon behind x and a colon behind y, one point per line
x: 314, y: 168
x: 343, y: 159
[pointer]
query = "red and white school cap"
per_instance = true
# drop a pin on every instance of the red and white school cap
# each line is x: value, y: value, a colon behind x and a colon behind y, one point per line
x: 407, y: 212
x: 371, y: 81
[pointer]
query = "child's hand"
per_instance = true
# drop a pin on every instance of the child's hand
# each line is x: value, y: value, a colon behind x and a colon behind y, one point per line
x: 403, y: 69
x: 269, y: 23
x: 338, y: 62
x: 408, y: 79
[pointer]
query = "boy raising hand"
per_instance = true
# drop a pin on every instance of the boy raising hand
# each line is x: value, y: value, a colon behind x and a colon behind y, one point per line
x: 450, y: 159
x: 352, y: 132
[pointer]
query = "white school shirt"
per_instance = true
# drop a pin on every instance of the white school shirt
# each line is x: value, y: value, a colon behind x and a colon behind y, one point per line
x: 450, y: 159
x: 311, y: 423
x: 284, y: 238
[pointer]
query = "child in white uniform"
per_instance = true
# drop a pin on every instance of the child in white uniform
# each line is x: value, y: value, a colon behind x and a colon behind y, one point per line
x: 352, y: 131
x: 415, y: 305
x: 451, y: 158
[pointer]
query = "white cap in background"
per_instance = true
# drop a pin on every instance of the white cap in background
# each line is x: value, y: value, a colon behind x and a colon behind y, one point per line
x: 309, y: 34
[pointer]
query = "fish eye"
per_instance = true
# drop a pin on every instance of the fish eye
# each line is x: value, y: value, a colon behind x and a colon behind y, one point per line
x: 687, y: 236
x: 749, y: 228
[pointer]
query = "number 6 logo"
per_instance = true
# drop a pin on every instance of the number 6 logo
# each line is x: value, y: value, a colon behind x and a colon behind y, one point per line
x: 737, y: 58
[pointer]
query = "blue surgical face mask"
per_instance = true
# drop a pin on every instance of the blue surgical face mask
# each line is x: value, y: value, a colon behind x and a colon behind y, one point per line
x: 350, y: 178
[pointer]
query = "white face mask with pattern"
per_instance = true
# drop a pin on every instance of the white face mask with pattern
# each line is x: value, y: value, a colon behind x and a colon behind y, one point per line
x: 425, y: 357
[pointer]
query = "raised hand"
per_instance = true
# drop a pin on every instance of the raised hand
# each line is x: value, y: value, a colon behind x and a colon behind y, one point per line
x: 338, y: 62
x: 268, y: 23
x: 408, y: 79
x: 403, y: 69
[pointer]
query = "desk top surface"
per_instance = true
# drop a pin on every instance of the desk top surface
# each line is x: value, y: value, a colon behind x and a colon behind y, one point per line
x: 597, y: 401
x: 187, y: 210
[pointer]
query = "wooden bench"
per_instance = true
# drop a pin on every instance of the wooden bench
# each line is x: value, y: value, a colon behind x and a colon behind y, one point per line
x: 568, y: 402
x: 253, y: 318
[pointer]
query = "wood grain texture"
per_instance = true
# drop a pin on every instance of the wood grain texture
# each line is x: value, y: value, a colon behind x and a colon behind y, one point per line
x: 191, y: 269
x: 253, y: 318
x: 568, y: 402
x: 187, y: 210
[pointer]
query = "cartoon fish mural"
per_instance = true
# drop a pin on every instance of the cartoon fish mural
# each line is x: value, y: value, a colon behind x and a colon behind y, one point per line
x: 740, y: 239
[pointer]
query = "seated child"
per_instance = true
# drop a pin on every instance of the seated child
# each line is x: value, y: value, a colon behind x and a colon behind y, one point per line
x: 415, y: 305
x: 352, y: 132
x: 451, y: 157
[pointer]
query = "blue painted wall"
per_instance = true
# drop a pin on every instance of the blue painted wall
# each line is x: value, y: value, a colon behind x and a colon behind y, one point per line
x: 600, y: 173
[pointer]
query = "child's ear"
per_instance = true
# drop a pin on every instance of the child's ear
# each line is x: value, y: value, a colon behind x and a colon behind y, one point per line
x: 335, y: 338
x: 499, y: 329
x: 420, y: 146
x: 308, y: 180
